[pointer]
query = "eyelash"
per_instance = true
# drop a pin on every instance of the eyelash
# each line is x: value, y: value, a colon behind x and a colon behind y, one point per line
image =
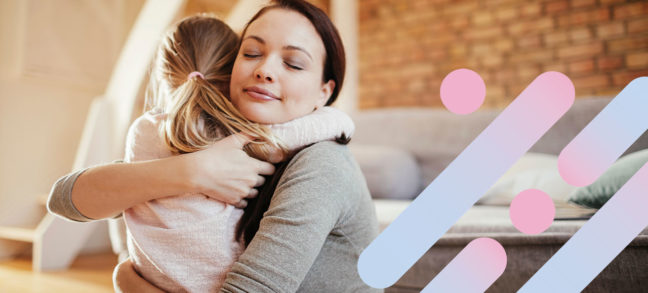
x: 293, y: 66
x: 246, y: 55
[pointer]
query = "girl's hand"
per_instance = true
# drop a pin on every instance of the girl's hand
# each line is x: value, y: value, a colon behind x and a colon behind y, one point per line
x: 126, y: 279
x: 225, y: 172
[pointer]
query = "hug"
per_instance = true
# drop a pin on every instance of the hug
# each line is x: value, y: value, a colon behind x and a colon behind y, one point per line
x: 237, y: 177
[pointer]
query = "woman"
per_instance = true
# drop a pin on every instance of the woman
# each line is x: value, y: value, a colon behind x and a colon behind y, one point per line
x: 320, y: 217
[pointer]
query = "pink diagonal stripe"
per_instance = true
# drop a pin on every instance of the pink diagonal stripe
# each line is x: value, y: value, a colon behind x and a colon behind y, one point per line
x: 474, y: 269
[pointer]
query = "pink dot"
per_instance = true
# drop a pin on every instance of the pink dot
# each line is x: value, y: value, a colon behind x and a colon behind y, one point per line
x: 532, y: 211
x: 463, y: 91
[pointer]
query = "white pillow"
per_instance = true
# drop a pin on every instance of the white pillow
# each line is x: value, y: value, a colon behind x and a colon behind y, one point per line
x: 533, y: 170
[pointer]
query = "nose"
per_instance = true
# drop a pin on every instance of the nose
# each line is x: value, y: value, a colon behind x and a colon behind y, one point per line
x: 263, y: 76
x: 263, y: 73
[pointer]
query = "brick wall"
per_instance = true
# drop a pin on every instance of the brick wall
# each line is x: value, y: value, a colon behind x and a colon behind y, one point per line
x: 407, y: 47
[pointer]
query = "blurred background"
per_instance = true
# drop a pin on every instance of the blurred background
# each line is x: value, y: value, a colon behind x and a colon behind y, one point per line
x: 57, y: 56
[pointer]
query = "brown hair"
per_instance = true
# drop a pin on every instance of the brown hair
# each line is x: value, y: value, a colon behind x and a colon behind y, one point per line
x: 198, y: 111
x: 334, y: 67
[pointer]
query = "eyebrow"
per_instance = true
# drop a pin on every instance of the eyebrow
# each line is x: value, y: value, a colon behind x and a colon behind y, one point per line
x: 289, y: 47
x: 298, y: 49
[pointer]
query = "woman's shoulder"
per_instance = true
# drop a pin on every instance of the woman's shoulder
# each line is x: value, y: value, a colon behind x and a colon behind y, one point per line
x: 332, y: 181
x: 325, y: 153
x: 332, y: 162
x: 327, y: 166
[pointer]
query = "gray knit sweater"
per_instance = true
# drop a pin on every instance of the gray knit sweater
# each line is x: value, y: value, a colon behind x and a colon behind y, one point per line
x: 320, y: 219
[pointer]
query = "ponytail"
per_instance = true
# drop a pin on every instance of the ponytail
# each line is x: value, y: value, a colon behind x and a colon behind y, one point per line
x: 189, y: 81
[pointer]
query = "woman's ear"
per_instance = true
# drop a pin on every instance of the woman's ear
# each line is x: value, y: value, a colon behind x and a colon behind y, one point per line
x: 325, y: 93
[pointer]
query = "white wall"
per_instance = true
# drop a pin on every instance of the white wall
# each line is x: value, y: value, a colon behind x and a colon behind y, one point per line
x: 56, y: 57
x: 242, y: 12
x: 345, y: 16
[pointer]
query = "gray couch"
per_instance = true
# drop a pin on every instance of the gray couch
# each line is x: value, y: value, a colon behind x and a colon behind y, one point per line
x: 402, y: 150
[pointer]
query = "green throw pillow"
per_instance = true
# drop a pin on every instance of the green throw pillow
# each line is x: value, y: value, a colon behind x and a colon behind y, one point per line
x: 597, y: 194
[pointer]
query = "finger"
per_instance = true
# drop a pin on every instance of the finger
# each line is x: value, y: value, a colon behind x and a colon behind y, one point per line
x: 238, y: 140
x: 241, y: 204
x: 260, y: 181
x: 276, y: 156
x: 118, y: 274
x: 253, y: 193
x: 265, y: 168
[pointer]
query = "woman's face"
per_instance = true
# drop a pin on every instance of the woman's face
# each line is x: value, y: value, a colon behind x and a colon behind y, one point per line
x: 277, y: 75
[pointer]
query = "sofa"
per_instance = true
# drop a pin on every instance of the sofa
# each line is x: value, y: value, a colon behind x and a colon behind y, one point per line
x: 401, y: 150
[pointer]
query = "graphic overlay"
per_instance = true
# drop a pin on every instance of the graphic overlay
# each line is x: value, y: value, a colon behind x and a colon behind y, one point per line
x: 623, y: 217
x: 463, y: 91
x: 598, y: 242
x: 448, y: 197
x: 483, y: 260
x: 532, y: 211
x: 607, y: 136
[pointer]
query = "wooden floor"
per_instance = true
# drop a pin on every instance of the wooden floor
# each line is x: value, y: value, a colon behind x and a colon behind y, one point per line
x: 89, y: 273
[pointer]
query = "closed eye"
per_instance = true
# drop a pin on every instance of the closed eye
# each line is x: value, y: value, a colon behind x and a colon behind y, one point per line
x: 293, y: 66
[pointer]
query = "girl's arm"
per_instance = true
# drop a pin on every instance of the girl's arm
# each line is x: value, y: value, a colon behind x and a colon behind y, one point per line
x: 325, y: 123
x: 223, y: 171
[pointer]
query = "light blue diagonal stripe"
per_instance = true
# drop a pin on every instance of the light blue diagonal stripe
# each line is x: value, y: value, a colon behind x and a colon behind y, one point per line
x: 598, y: 242
x: 607, y: 136
x: 624, y: 216
x: 466, y: 179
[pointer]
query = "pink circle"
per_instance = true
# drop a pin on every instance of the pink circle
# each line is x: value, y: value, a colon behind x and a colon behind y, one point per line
x: 532, y: 211
x: 463, y: 91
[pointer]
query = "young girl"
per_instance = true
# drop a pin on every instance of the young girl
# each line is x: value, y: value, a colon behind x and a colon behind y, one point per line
x: 187, y: 242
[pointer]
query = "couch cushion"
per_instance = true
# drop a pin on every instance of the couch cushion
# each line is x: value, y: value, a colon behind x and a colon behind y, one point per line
x: 428, y: 132
x: 598, y: 193
x: 390, y: 172
x: 532, y: 170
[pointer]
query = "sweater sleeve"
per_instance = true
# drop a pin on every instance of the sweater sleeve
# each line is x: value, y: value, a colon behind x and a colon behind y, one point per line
x: 326, y: 123
x: 59, y: 201
x: 310, y: 199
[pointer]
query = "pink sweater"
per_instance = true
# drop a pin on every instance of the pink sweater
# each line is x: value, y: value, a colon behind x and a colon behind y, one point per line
x: 186, y: 242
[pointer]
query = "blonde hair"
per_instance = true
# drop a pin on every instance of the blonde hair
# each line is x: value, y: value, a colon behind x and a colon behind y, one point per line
x: 198, y: 111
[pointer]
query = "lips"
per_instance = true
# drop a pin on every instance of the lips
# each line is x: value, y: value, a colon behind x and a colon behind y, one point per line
x: 260, y: 94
